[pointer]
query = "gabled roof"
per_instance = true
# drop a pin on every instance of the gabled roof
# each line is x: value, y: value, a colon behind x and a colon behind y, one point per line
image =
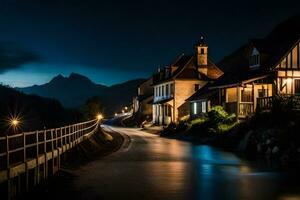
x: 271, y: 48
x: 185, y: 67
x: 203, y: 93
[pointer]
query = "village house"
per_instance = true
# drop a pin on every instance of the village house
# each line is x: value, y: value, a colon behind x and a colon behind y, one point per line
x: 142, y: 103
x: 173, y: 84
x: 255, y: 73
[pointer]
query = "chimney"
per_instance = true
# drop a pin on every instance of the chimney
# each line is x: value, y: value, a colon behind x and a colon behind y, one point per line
x: 202, y: 56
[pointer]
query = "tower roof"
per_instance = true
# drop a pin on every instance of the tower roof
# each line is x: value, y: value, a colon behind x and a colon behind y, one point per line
x: 201, y: 42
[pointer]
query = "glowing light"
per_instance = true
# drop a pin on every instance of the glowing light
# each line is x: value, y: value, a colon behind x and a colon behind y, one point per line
x: 289, y: 81
x: 116, y: 114
x: 99, y: 117
x: 14, y: 122
x: 126, y: 107
x: 123, y: 111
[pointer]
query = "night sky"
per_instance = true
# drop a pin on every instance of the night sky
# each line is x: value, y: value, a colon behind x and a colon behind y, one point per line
x: 117, y: 40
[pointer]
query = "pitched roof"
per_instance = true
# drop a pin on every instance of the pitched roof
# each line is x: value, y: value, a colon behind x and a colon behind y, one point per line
x: 236, y: 65
x: 272, y: 48
x: 185, y: 67
x: 203, y: 93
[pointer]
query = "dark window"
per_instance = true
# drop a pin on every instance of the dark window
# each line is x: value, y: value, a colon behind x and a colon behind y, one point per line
x: 196, y: 87
x: 201, y: 51
x: 160, y: 91
x: 262, y: 93
x: 171, y: 88
x: 254, y: 60
x: 167, y: 90
x: 297, y: 86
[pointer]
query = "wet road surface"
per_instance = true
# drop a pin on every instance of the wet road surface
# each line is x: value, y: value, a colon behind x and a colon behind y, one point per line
x: 150, y: 167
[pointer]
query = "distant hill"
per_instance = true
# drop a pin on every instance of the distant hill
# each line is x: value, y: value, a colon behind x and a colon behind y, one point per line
x: 35, y: 112
x: 73, y: 91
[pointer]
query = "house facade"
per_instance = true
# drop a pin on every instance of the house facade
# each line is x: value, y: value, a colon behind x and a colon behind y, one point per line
x: 177, y: 82
x: 255, y: 74
x: 142, y: 103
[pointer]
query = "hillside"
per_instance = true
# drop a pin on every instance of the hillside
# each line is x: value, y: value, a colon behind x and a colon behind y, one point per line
x: 34, y: 112
x: 73, y: 91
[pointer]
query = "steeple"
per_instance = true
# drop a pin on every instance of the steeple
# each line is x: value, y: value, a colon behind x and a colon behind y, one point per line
x: 202, y: 56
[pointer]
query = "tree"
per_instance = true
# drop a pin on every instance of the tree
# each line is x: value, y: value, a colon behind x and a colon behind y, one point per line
x: 93, y: 106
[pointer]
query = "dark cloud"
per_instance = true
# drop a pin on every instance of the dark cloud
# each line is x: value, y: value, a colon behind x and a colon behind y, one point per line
x: 13, y: 56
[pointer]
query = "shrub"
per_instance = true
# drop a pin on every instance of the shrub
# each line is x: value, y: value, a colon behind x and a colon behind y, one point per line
x: 218, y: 115
x: 184, y: 118
x: 199, y: 120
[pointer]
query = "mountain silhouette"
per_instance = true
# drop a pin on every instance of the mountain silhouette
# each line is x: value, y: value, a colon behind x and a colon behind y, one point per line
x: 34, y: 112
x: 73, y: 91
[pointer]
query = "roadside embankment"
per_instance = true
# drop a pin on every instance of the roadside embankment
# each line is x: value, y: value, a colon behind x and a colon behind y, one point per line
x: 58, y: 186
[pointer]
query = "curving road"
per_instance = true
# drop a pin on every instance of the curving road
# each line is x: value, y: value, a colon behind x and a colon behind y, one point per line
x: 150, y: 167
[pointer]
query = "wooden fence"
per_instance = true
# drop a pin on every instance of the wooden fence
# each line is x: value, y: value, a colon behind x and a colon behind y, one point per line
x: 29, y: 157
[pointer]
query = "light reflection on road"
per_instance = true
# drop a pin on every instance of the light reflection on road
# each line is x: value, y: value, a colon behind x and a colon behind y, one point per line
x: 157, y: 168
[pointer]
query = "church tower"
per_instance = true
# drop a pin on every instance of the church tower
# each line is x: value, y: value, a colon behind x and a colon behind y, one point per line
x: 202, y: 56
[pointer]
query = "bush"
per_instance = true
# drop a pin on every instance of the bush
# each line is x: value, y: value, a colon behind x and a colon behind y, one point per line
x: 218, y: 115
x: 199, y: 120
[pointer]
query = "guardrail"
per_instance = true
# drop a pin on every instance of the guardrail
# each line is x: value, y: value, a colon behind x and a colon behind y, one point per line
x: 27, y: 151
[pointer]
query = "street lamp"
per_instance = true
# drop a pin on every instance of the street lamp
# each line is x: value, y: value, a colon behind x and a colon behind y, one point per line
x: 99, y: 117
x: 14, y: 122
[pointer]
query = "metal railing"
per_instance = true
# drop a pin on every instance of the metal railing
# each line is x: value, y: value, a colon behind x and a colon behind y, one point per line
x: 18, y: 148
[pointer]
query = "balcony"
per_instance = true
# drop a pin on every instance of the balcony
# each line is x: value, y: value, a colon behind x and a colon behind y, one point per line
x: 265, y: 103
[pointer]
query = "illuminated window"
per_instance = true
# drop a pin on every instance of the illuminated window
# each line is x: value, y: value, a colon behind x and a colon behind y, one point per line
x: 203, y: 106
x: 246, y: 95
x: 195, y: 108
x: 289, y: 61
x: 295, y: 57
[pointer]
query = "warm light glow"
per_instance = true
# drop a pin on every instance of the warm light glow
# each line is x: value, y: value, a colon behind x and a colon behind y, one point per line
x: 289, y: 81
x: 14, y: 122
x: 116, y: 114
x: 126, y: 107
x: 99, y: 117
x: 123, y: 111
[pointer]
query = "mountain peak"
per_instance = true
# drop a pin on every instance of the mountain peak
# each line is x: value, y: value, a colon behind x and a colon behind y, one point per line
x: 57, y: 78
x: 79, y: 77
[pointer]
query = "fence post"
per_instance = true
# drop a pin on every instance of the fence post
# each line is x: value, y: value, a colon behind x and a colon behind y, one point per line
x: 70, y: 133
x: 61, y: 138
x: 37, y: 170
x: 52, y: 150
x: 24, y: 147
x: 45, y: 141
x: 7, y: 151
